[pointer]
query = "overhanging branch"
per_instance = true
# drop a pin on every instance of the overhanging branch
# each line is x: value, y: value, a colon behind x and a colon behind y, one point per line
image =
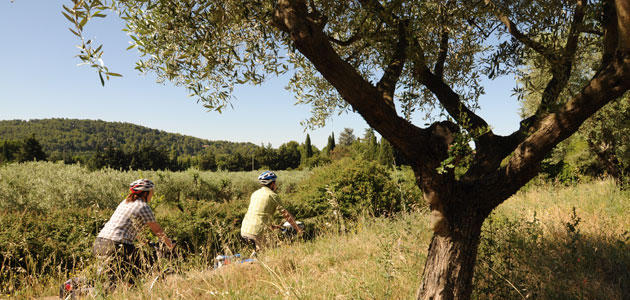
x: 441, y: 60
x: 611, y: 30
x: 347, y: 42
x: 355, y: 37
x: 291, y: 17
x: 561, y: 72
x: 387, y: 84
x: 608, y: 84
x: 518, y: 35
x: 443, y: 49
x: 447, y: 97
x: 500, y: 147
x: 623, y: 24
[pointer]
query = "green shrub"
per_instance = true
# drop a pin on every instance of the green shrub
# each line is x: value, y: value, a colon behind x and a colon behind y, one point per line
x: 350, y: 187
x: 50, y: 213
x: 34, y: 245
x: 409, y: 192
x: 205, y: 227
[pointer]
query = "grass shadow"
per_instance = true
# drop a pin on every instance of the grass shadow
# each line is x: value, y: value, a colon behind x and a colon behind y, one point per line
x: 521, y: 260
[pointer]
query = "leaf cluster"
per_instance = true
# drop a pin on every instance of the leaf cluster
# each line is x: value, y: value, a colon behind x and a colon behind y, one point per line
x: 79, y: 14
x: 211, y: 46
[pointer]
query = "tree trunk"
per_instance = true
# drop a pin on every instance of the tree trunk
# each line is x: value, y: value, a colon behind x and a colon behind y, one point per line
x: 450, y: 263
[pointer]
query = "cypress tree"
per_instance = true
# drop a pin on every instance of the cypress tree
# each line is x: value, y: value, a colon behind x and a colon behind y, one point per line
x: 386, y: 153
x: 31, y: 150
x: 308, y: 149
x: 332, y: 141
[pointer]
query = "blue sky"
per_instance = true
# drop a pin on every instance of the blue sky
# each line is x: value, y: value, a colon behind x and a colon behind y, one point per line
x: 39, y: 78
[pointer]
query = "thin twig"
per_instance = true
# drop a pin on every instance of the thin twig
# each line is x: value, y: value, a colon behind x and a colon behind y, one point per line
x: 512, y: 285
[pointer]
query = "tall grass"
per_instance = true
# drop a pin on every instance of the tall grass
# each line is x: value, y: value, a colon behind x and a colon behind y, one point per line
x: 378, y: 259
x: 546, y: 242
x: 50, y: 214
x: 557, y: 243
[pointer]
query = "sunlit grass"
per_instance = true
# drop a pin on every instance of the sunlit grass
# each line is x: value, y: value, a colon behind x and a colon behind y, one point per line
x: 546, y: 242
x: 558, y: 243
x: 378, y: 259
x: 534, y: 247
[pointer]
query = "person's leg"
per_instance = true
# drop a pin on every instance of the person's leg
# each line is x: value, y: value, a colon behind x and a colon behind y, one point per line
x: 104, y: 251
x: 252, y: 241
x: 262, y: 240
x: 131, y: 265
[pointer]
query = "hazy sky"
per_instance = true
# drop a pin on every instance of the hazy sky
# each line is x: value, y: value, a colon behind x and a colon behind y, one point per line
x: 39, y: 78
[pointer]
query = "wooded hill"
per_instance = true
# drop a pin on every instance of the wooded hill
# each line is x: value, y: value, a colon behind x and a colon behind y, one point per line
x: 72, y: 137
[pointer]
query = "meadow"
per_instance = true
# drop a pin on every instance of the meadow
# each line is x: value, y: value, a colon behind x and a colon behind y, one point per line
x: 546, y: 242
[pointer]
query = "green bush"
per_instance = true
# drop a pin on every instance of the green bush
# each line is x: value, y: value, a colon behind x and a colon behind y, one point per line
x: 50, y: 213
x: 351, y: 187
x: 204, y: 227
x: 34, y: 245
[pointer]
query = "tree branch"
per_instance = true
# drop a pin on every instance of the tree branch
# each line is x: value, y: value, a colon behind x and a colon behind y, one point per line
x: 611, y: 31
x: 390, y: 19
x: 449, y: 99
x: 490, y: 151
x: 314, y: 9
x: 387, y: 84
x: 355, y: 37
x: 574, y: 32
x: 623, y: 24
x: 592, y: 31
x: 607, y: 84
x: 517, y: 34
x: 347, y: 42
x: 540, y: 121
x: 291, y: 17
x: 439, y: 64
x: 443, y: 51
x: 561, y: 72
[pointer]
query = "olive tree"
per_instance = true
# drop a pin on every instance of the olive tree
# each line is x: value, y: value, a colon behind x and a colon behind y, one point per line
x: 606, y: 133
x: 387, y: 59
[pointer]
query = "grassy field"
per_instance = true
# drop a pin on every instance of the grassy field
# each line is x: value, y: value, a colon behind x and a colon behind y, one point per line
x: 546, y: 242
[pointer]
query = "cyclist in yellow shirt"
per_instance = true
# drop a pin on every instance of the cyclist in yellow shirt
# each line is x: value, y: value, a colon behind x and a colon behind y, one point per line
x: 262, y: 205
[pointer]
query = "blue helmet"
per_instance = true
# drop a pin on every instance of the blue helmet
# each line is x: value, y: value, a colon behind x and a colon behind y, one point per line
x: 267, y: 177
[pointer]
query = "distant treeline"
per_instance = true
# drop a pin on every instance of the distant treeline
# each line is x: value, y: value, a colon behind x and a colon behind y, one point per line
x: 78, y: 140
x: 28, y: 149
x: 124, y: 146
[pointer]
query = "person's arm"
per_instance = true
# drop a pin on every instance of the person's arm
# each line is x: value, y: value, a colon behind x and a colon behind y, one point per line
x: 159, y: 232
x: 289, y: 217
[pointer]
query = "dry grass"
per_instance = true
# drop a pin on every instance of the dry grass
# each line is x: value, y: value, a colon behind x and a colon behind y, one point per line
x: 544, y: 243
x: 375, y: 261
x: 601, y: 205
x: 558, y: 243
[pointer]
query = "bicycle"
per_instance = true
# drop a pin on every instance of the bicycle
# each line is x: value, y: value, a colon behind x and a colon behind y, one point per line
x: 80, y: 287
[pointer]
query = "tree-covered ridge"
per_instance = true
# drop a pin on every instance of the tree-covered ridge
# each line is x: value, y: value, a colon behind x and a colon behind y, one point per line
x: 61, y: 137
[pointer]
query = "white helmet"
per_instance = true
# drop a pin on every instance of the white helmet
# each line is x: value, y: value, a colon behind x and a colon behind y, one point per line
x: 141, y: 185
